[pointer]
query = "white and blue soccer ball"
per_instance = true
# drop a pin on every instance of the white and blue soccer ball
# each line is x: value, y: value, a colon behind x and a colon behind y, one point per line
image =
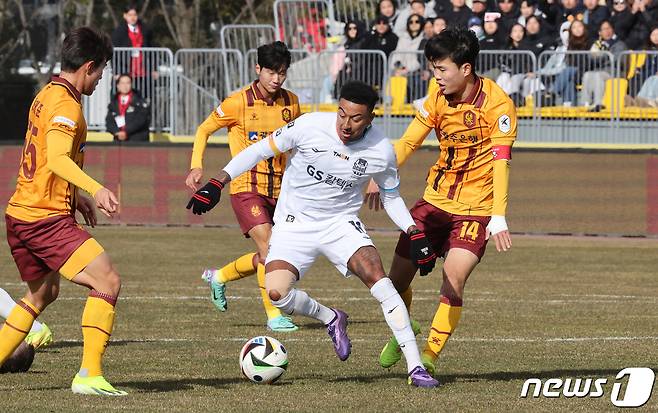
x: 263, y: 360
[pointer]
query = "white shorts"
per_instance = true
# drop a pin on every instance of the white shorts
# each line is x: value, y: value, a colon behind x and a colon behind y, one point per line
x: 299, y: 244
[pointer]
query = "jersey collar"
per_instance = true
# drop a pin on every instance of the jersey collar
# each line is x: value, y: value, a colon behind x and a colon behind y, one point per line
x: 259, y: 95
x: 60, y: 81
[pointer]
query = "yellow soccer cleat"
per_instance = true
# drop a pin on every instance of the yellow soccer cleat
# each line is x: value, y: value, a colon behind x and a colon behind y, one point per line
x: 41, y: 338
x: 96, y: 385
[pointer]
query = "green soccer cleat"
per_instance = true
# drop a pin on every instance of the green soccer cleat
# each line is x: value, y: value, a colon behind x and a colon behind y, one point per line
x: 217, y: 289
x: 428, y: 363
x: 96, y: 386
x: 41, y: 338
x: 391, y: 353
x: 281, y: 324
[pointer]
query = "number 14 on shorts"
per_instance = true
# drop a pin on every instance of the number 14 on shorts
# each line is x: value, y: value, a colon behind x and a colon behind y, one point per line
x: 469, y: 229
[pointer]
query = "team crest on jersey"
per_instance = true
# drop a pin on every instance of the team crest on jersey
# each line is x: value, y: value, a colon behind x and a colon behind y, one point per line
x: 360, y: 166
x: 469, y: 119
x: 255, y: 210
x: 286, y: 115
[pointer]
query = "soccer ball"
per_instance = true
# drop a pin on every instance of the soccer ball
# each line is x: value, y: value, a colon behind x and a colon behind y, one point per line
x: 263, y: 360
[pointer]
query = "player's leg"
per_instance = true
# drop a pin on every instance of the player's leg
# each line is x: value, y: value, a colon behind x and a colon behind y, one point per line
x: 280, y: 280
x: 39, y: 335
x: 91, y: 267
x: 401, y: 274
x: 41, y: 292
x: 458, y: 265
x: 366, y: 264
x: 275, y: 320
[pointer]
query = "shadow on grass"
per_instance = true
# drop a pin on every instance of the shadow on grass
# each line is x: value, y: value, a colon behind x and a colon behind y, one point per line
x: 524, y: 375
x: 183, y: 384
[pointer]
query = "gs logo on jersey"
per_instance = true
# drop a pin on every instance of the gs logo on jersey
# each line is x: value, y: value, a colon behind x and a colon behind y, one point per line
x: 360, y: 166
x: 469, y: 119
x: 286, y: 115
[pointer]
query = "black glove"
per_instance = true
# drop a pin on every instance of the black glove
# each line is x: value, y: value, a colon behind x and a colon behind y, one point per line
x: 206, y: 197
x: 422, y: 253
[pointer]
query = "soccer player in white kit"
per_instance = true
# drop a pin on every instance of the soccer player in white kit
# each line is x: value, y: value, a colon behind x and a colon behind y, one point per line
x: 332, y: 158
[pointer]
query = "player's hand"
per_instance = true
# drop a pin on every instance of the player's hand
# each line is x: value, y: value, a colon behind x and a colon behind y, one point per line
x: 497, y: 229
x: 372, y: 197
x: 422, y: 253
x: 106, y: 201
x: 206, y: 198
x: 86, y: 208
x: 122, y: 136
x: 193, y: 178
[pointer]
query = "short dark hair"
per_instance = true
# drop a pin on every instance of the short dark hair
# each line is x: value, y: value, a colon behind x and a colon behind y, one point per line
x: 458, y: 43
x: 131, y: 6
x: 275, y: 56
x: 82, y: 45
x: 20, y: 361
x: 360, y: 93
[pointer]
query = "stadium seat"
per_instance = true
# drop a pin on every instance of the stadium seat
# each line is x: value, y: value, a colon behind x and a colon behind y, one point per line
x: 397, y: 90
x: 613, y: 97
x: 635, y: 61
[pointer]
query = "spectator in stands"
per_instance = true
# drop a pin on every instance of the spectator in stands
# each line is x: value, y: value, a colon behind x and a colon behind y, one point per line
x: 494, y: 39
x: 529, y: 9
x: 382, y: 38
x: 594, y: 15
x: 389, y: 9
x: 566, y: 80
x: 132, y: 32
x: 555, y: 65
x: 509, y: 14
x: 558, y: 12
x: 622, y: 19
x: 514, y: 67
x: 538, y: 39
x: 479, y: 8
x: 647, y: 76
x: 458, y: 14
x: 594, y: 80
x: 475, y: 25
x: 346, y: 66
x: 439, y: 25
x: 428, y: 33
x: 410, y: 7
x: 128, y: 114
x: 404, y: 60
x: 647, y: 17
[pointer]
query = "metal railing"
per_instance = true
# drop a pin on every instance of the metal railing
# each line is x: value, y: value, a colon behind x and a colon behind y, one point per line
x: 303, y: 24
x: 185, y: 87
x: 204, y: 77
x: 244, y: 37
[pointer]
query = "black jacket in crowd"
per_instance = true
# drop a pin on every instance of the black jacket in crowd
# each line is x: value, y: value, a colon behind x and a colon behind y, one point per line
x: 120, y: 35
x: 623, y: 22
x: 138, y: 118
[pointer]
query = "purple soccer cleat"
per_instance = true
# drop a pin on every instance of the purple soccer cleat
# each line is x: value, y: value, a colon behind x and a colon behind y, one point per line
x: 419, y: 377
x: 337, y: 330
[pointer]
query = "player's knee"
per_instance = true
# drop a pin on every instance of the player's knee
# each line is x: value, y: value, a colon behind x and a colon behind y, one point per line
x: 112, y: 282
x: 274, y: 295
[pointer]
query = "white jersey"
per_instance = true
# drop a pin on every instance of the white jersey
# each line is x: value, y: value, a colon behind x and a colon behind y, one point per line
x: 325, y: 178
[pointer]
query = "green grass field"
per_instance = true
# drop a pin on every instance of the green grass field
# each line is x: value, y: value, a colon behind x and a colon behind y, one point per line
x: 552, y: 307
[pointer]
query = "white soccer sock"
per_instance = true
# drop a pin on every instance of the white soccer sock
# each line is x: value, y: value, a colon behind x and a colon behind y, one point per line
x: 298, y: 302
x: 7, y: 304
x: 397, y: 317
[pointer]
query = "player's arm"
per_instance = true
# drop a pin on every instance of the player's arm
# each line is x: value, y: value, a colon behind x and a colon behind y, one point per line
x: 503, y: 134
x: 225, y: 115
x: 388, y: 182
x: 411, y: 140
x: 59, y: 145
x: 208, y: 196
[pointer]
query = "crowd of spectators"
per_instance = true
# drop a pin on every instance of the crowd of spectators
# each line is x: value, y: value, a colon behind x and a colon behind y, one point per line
x: 588, y: 27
